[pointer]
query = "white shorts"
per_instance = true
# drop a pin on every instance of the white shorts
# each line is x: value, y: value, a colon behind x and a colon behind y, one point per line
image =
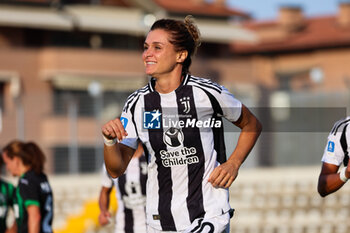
x: 218, y: 224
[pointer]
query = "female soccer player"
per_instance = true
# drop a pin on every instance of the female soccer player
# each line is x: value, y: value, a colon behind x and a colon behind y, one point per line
x: 336, y: 153
x: 131, y: 196
x: 177, y: 117
x: 33, y: 193
x: 6, y: 202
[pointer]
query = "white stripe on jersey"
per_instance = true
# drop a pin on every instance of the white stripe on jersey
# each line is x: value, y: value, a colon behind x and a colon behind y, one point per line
x: 178, y: 174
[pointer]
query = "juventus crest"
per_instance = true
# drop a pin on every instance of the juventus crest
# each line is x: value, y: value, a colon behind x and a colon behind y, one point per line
x: 185, y: 101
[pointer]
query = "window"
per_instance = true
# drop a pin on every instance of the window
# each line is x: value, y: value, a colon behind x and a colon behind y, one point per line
x: 60, y: 160
x: 112, y: 102
x: 64, y: 99
x: 87, y: 161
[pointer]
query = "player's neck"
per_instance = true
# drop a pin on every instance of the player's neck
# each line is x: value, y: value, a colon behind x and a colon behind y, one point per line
x: 167, y: 84
x: 23, y: 169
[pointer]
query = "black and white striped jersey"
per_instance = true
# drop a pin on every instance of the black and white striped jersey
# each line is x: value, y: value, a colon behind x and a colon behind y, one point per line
x: 337, y: 149
x: 131, y: 196
x: 182, y: 134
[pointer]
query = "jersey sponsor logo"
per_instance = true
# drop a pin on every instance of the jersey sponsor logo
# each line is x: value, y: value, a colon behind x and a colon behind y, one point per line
x: 331, y: 146
x: 124, y: 122
x: 173, y: 137
x: 192, y: 123
x: 45, y: 187
x: 151, y: 120
x: 185, y: 101
x: 155, y: 120
x: 24, y: 181
x: 178, y: 155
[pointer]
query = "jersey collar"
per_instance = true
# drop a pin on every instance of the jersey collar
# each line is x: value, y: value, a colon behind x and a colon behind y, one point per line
x: 152, y: 82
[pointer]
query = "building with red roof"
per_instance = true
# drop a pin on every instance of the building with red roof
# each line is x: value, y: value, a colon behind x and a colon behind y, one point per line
x: 292, y: 46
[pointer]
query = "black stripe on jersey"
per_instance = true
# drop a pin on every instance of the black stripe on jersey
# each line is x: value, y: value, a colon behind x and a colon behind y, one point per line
x: 143, y: 177
x: 128, y: 217
x: 206, y: 83
x: 192, y: 138
x: 344, y: 145
x: 134, y: 95
x: 128, y: 220
x: 219, y: 139
x: 146, y: 152
x: 165, y: 184
x: 121, y: 185
x: 335, y: 128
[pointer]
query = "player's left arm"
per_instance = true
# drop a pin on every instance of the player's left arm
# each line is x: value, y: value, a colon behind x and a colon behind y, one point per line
x: 103, y: 203
x: 223, y: 175
x: 34, y: 218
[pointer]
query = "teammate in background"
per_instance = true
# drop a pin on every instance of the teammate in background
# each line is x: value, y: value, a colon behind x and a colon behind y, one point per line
x: 131, y: 196
x: 335, y: 154
x: 6, y: 202
x: 177, y: 117
x: 33, y: 193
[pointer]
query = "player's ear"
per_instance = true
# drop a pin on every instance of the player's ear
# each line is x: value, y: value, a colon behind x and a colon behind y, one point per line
x: 181, y: 56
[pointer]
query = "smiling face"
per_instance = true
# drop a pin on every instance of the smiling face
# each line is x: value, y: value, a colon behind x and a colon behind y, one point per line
x: 159, y: 56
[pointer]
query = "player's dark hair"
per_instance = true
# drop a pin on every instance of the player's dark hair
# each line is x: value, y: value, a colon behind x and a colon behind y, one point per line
x: 37, y: 157
x: 184, y: 35
x: 30, y: 154
x: 13, y: 148
x: 1, y: 162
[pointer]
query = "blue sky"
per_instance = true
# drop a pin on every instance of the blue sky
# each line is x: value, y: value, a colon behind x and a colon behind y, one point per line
x: 268, y: 9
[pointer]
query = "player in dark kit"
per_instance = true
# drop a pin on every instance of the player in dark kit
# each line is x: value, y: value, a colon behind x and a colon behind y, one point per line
x: 33, y: 195
x: 6, y: 201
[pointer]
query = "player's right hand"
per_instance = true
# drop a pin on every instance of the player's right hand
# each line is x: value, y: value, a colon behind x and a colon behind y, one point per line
x: 104, y: 218
x: 114, y: 129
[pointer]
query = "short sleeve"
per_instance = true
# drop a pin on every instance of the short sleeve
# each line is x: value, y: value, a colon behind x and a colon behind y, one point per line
x: 106, y: 180
x: 334, y: 151
x: 231, y: 107
x: 126, y: 118
x: 29, y: 191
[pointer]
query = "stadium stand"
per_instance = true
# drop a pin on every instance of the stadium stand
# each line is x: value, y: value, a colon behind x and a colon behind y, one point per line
x: 266, y: 200
x: 285, y: 200
x: 76, y: 204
